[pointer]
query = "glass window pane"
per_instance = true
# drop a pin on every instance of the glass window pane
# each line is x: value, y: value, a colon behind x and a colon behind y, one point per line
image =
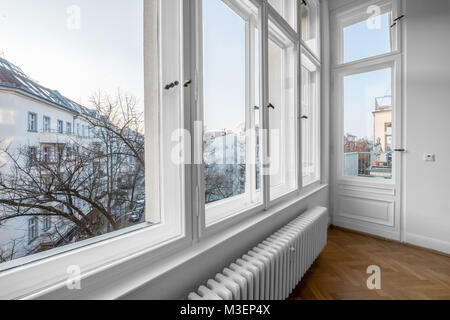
x: 310, y: 24
x: 368, y: 124
x: 89, y: 73
x: 310, y: 122
x: 368, y: 38
x: 287, y: 9
x: 230, y: 111
x: 282, y: 117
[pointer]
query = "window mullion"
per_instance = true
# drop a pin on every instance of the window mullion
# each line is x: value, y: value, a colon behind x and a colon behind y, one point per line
x: 264, y: 65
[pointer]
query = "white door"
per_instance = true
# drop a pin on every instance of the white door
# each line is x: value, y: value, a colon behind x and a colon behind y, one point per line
x: 368, y: 148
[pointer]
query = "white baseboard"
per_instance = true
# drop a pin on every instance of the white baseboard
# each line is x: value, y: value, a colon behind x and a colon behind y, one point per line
x: 391, y: 235
x: 429, y: 243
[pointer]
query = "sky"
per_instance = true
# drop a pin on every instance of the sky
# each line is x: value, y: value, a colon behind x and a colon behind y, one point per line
x: 224, y: 66
x: 104, y: 53
x: 360, y: 90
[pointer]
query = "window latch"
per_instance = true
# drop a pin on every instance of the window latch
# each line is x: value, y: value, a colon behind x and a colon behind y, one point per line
x: 304, y: 3
x: 187, y: 83
x: 397, y: 19
x: 171, y: 85
x: 304, y: 117
x: 271, y: 106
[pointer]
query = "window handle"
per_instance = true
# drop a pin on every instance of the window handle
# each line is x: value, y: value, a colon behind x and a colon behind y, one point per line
x: 171, y: 85
x: 399, y: 150
x: 304, y: 117
x: 271, y: 106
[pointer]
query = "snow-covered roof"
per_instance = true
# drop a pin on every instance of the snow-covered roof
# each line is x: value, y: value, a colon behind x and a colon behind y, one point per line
x: 13, y: 77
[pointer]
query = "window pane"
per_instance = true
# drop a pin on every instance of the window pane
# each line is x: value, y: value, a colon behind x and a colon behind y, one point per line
x: 89, y: 74
x: 282, y: 117
x: 310, y: 24
x: 229, y: 109
x: 368, y: 124
x: 287, y: 9
x: 368, y: 38
x: 310, y: 122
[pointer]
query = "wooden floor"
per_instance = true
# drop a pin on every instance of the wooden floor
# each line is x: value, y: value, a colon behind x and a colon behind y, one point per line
x: 406, y: 272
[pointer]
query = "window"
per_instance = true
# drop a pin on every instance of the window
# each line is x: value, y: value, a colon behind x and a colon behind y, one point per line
x: 68, y: 128
x: 230, y: 110
x: 99, y: 204
x: 33, y: 225
x: 283, y: 121
x: 366, y: 31
x: 47, y: 223
x: 368, y: 115
x: 245, y: 86
x: 287, y: 9
x: 310, y: 121
x: 32, y: 152
x: 60, y: 127
x: 32, y: 122
x: 310, y: 24
x: 47, y: 124
x: 47, y: 153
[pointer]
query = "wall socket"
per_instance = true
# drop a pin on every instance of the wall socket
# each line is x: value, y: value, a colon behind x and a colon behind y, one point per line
x: 429, y: 157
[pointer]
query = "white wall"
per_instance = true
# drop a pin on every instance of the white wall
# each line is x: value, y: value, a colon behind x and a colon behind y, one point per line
x: 427, y: 83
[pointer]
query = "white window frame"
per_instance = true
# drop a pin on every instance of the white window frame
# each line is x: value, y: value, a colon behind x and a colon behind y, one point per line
x: 69, y: 128
x: 33, y: 230
x: 60, y: 126
x: 351, y: 14
x: 393, y: 60
x: 46, y: 124
x: 310, y: 63
x: 32, y: 122
x: 266, y: 12
x: 315, y: 52
x: 233, y: 206
x: 48, y: 270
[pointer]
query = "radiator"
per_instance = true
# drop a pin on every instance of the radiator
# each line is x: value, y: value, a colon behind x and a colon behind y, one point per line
x: 273, y: 269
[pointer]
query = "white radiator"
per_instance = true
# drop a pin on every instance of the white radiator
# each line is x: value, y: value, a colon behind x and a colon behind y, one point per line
x: 272, y: 270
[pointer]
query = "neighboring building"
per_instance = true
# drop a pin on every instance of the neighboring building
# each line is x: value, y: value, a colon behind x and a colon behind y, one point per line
x: 383, y: 122
x: 41, y: 119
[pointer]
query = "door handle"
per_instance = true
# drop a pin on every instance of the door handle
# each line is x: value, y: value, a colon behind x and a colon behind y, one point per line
x: 399, y: 150
x: 171, y: 85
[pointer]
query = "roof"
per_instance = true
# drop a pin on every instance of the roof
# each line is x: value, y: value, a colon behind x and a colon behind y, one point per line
x: 12, y: 77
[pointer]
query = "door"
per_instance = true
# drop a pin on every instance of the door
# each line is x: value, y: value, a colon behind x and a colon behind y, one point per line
x: 368, y: 148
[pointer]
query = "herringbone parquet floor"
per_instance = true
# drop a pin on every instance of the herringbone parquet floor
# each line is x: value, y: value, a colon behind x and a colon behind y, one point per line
x: 406, y: 272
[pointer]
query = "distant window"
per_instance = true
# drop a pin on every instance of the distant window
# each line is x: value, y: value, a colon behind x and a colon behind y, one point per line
x: 47, y: 124
x: 32, y: 229
x: 47, y: 152
x: 32, y: 155
x: 47, y: 223
x: 32, y: 122
x: 69, y: 128
x: 60, y: 126
x: 83, y: 128
x: 78, y: 129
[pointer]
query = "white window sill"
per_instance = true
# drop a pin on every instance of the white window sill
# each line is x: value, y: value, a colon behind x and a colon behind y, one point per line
x: 114, y: 282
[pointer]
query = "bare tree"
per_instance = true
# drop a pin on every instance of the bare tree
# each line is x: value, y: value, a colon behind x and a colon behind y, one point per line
x: 79, y: 184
